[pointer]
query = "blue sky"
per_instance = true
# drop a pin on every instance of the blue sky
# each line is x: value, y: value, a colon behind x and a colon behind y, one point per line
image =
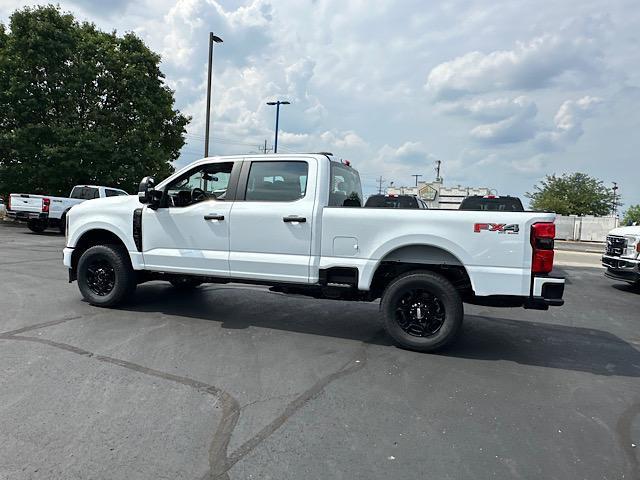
x: 502, y: 92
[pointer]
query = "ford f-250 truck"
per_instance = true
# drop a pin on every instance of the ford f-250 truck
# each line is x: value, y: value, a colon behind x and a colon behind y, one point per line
x: 44, y: 211
x: 622, y: 255
x: 292, y: 222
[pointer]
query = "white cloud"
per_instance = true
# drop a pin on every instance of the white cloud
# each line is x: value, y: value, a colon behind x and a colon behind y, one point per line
x: 516, y: 125
x: 568, y: 123
x: 528, y: 66
x: 342, y: 140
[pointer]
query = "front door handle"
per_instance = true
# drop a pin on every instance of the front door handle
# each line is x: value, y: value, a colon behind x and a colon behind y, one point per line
x: 294, y: 218
x: 214, y: 216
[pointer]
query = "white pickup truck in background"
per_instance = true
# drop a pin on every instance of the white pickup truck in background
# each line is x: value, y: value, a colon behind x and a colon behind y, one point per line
x: 293, y: 222
x: 44, y: 211
x: 622, y: 255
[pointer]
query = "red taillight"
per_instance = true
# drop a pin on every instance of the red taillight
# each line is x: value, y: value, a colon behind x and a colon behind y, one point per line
x: 542, y: 235
x: 45, y: 205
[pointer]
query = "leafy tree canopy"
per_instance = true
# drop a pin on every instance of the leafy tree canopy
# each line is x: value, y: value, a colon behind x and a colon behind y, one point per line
x: 572, y: 194
x: 632, y: 215
x: 78, y: 105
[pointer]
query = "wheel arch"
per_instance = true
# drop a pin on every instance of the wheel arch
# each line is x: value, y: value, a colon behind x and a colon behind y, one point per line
x: 92, y: 237
x: 420, y: 256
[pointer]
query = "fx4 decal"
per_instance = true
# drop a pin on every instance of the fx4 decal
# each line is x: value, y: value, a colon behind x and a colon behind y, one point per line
x: 513, y: 228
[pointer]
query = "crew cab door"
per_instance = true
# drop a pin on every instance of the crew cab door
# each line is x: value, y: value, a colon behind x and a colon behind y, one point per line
x: 189, y: 232
x: 272, y: 219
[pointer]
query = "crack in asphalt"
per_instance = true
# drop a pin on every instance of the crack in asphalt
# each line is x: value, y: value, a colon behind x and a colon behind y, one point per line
x: 220, y: 461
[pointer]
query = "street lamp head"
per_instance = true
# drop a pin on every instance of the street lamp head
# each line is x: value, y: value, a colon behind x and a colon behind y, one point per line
x: 215, y: 38
x: 272, y: 103
x: 285, y: 103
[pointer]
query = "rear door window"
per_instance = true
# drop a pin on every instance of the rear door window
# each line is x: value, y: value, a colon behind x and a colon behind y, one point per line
x: 277, y: 181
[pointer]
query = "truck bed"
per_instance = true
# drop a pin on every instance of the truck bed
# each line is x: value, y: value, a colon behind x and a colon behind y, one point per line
x: 493, y: 247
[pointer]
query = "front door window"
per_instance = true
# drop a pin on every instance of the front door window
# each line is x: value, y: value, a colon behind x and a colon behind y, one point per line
x: 203, y: 183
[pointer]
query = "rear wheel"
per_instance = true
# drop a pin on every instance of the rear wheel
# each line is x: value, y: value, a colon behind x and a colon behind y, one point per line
x: 422, y: 311
x: 37, y: 226
x: 105, y: 275
x: 185, y: 283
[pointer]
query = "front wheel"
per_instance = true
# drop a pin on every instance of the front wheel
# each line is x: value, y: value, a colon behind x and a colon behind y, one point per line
x: 422, y: 311
x: 37, y: 226
x: 105, y: 275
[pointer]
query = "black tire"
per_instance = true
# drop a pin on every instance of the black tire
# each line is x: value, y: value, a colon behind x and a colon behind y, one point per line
x: 62, y: 226
x: 422, y: 311
x: 37, y: 226
x: 105, y: 275
x: 185, y: 283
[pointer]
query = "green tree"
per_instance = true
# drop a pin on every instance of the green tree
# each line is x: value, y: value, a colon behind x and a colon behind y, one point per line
x: 632, y: 215
x: 78, y: 105
x: 572, y: 194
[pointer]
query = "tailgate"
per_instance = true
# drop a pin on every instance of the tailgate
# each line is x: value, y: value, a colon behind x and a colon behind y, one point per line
x: 21, y: 202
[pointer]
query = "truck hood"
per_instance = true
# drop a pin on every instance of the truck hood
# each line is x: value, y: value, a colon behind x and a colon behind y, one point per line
x: 635, y: 230
x: 98, y: 204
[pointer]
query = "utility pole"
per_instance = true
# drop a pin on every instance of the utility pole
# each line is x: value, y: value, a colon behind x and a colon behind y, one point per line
x: 264, y: 149
x: 417, y: 176
x: 380, y: 180
x: 438, y: 163
x: 277, y: 104
x: 212, y: 39
x: 615, y: 203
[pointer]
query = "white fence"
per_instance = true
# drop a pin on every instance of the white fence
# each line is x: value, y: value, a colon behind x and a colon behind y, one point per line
x: 586, y: 229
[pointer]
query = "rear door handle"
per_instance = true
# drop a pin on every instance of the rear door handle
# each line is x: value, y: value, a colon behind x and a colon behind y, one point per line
x: 214, y: 216
x: 294, y: 218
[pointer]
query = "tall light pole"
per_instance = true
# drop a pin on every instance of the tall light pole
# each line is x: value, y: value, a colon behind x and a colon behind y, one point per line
x: 615, y: 202
x: 212, y: 39
x: 277, y: 104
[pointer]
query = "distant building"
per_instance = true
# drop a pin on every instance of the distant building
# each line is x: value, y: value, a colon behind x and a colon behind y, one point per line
x: 438, y: 196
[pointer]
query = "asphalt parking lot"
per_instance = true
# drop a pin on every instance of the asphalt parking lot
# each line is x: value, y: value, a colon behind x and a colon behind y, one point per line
x: 235, y: 382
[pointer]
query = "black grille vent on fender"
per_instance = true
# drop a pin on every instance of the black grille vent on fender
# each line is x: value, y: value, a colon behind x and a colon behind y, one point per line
x: 137, y: 228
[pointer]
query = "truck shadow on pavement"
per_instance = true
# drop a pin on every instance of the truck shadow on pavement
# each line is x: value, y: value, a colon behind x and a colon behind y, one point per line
x: 546, y: 345
x: 483, y: 338
x: 625, y: 287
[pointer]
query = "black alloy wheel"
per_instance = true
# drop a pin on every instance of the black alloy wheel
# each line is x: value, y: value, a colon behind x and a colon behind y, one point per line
x: 101, y: 277
x: 105, y: 275
x: 420, y: 313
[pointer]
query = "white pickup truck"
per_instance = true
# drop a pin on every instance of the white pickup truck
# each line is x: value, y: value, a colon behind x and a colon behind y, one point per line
x: 44, y: 211
x: 622, y: 255
x: 292, y: 222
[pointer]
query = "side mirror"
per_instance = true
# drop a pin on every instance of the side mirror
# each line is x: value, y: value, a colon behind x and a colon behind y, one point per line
x: 147, y: 192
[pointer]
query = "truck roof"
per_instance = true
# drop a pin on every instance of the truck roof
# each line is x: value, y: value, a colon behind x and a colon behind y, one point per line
x: 268, y: 155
